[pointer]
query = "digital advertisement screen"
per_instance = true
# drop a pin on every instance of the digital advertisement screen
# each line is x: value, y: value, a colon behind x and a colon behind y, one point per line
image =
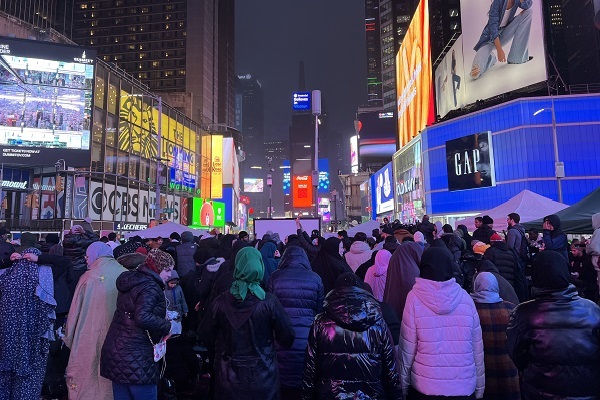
x: 382, y: 183
x: 377, y: 134
x: 323, y: 176
x: 470, y: 162
x: 354, y: 154
x: 522, y: 60
x: 301, y: 101
x: 302, y: 192
x: 450, y: 85
x: 45, y: 102
x: 409, y: 176
x: 253, y: 185
x: 413, y: 78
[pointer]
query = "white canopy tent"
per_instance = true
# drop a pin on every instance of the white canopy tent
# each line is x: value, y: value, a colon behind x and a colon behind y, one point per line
x: 165, y: 230
x: 529, y: 205
x: 366, y: 227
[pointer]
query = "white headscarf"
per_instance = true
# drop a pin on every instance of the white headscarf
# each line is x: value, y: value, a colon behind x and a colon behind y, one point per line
x: 377, y: 274
x: 486, y: 289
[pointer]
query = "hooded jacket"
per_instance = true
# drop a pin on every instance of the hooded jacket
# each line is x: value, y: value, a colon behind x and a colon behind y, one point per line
x: 556, y: 239
x: 553, y: 339
x: 358, y: 254
x: 175, y: 298
x: 300, y: 292
x: 185, y: 254
x: 350, y: 351
x: 441, y: 362
x: 514, y: 238
x: 127, y: 354
x: 507, y: 292
x: 593, y: 248
x: 503, y: 259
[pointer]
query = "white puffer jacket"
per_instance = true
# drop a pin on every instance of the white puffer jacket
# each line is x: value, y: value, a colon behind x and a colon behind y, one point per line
x: 359, y: 253
x: 440, y: 341
x: 593, y: 247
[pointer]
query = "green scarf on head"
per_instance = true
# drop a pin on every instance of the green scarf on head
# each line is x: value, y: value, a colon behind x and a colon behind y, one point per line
x: 249, y: 272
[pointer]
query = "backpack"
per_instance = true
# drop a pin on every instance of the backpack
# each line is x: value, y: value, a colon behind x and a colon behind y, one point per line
x: 524, y: 253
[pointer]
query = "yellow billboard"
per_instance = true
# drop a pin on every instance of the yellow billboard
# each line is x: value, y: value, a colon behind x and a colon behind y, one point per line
x: 216, y: 174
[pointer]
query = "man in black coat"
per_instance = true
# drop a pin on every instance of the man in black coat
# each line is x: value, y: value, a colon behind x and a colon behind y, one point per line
x: 553, y: 339
x: 484, y: 230
x: 506, y: 262
x: 426, y: 228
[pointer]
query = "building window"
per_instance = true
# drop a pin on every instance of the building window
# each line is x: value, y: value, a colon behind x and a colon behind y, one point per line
x: 83, y: 6
x: 453, y: 12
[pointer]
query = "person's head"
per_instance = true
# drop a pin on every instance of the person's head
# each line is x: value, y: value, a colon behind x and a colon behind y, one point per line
x: 342, y: 234
x: 386, y: 220
x: 550, y: 271
x: 419, y: 237
x: 153, y: 243
x: 77, y: 230
x: 513, y: 218
x: 478, y: 222
x: 248, y: 274
x: 52, y: 238
x: 187, y: 237
x: 534, y: 234
x: 371, y: 242
x: 552, y: 222
x: 97, y: 250
x: 425, y: 218
x: 575, y: 241
x: 112, y: 236
x: 387, y: 231
x: 348, y: 279
x: 496, y: 238
x: 132, y: 260
x: 484, y: 147
x: 479, y: 247
x: 447, y: 228
x: 487, y: 220
x: 375, y: 233
x: 315, y: 234
x: 576, y: 250
x: 175, y: 236
x: 104, y: 239
x: 4, y: 234
x: 486, y: 289
x: 437, y: 264
x: 243, y: 235
x: 173, y: 280
x: 160, y: 262
x: 360, y: 237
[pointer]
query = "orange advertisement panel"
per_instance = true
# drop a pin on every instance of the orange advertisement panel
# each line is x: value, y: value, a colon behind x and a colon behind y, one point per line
x: 302, y: 191
x: 216, y: 175
x: 414, y: 78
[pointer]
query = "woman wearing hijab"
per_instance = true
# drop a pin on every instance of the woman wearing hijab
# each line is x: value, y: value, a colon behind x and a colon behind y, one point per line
x: 440, y: 337
x: 27, y: 313
x: 501, y: 375
x: 402, y: 271
x: 225, y: 247
x: 268, y: 251
x: 92, y: 309
x: 553, y: 339
x: 245, y: 322
x: 127, y: 356
x: 329, y: 264
x: 507, y: 292
x: 554, y: 237
x: 377, y: 274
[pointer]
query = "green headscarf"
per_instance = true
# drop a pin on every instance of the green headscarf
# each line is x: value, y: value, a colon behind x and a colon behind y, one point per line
x: 249, y: 272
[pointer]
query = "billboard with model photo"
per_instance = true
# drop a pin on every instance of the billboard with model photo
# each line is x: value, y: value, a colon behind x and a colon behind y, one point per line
x: 382, y: 183
x: 413, y: 78
x: 45, y: 102
x: 449, y: 80
x: 503, y: 46
x: 470, y: 162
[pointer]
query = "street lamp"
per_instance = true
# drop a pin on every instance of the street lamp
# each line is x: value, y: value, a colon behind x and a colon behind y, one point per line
x: 316, y: 111
x: 559, y: 167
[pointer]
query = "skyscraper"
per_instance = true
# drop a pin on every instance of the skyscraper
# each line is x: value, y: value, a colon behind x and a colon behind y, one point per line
x: 182, y: 48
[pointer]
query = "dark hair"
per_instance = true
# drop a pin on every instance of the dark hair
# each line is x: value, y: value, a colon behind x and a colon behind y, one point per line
x: 112, y: 236
x: 534, y: 230
x: 480, y: 219
x: 447, y: 228
x: 515, y: 217
x: 348, y: 279
x: 360, y: 237
x: 343, y: 233
x: 375, y: 232
x: 175, y: 236
x: 104, y: 239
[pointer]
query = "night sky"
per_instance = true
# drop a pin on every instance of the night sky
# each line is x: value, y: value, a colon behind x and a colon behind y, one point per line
x: 272, y: 36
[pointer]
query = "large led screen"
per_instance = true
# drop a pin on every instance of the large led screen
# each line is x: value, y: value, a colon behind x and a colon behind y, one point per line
x: 413, y: 78
x: 503, y: 49
x: 253, y: 185
x: 382, y: 183
x: 45, y: 102
x: 377, y: 135
x: 470, y: 162
x: 450, y: 80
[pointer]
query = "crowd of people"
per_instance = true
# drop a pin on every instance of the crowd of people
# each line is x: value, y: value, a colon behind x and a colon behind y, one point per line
x: 422, y: 311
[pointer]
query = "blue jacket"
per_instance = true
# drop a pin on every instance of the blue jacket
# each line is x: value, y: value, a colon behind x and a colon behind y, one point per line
x: 497, y: 10
x: 300, y: 292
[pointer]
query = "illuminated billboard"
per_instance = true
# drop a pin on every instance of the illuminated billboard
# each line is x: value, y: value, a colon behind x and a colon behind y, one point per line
x: 382, y: 184
x: 470, y: 162
x: 413, y: 78
x: 301, y: 101
x: 354, y: 154
x: 302, y: 192
x: 323, y: 176
x: 377, y: 135
x: 253, y: 185
x: 216, y: 171
x: 450, y: 85
x: 45, y: 102
x: 516, y: 61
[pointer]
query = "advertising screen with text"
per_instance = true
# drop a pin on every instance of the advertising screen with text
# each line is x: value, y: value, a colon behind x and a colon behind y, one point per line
x: 413, y: 78
x: 302, y: 191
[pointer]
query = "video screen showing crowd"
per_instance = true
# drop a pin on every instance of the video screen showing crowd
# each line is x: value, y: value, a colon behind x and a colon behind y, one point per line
x: 419, y: 311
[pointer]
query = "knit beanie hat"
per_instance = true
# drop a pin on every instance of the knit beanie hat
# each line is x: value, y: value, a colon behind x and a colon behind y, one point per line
x: 495, y: 238
x: 480, y: 247
x: 158, y: 260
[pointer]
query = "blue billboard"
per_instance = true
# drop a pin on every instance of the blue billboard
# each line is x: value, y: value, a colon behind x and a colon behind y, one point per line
x: 301, y: 101
x: 382, y: 190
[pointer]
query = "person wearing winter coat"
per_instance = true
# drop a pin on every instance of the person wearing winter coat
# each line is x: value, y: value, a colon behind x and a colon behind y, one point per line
x: 175, y: 298
x: 377, y: 274
x: 360, y: 251
x: 501, y: 375
x: 401, y: 274
x: 75, y: 243
x: 350, y: 353
x: 197, y: 289
x: 300, y: 292
x: 507, y: 292
x: 554, y: 238
x: 440, y: 339
x: 505, y: 260
x: 468, y: 263
x: 184, y: 260
x: 270, y: 256
x: 127, y: 357
x: 484, y: 230
x: 553, y: 339
x: 593, y: 247
x: 245, y: 322
x: 329, y: 264
x: 94, y: 304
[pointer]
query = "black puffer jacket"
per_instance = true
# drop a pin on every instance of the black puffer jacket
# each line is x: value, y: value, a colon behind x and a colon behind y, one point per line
x: 245, y: 333
x: 554, y: 339
x: 350, y: 351
x: 127, y: 354
x: 300, y: 292
x: 483, y: 234
x: 504, y: 259
x: 75, y: 245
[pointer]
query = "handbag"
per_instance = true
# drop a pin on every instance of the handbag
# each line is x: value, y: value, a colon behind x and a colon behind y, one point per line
x: 160, y: 348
